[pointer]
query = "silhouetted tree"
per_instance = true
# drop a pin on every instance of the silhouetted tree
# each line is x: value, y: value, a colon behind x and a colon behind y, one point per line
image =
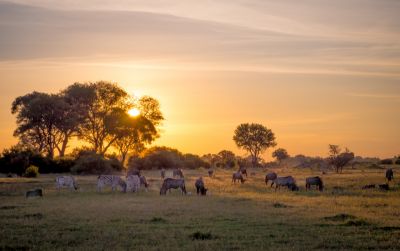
x: 280, y: 154
x: 254, y: 138
x: 42, y: 122
x: 106, y: 103
x: 339, y: 159
x: 133, y: 135
x: 227, y: 158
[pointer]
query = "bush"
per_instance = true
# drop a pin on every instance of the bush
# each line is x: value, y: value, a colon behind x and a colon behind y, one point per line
x: 92, y: 163
x: 386, y: 162
x: 397, y: 162
x: 32, y: 172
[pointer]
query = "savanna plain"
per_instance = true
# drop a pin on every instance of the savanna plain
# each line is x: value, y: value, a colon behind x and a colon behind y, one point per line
x: 249, y: 216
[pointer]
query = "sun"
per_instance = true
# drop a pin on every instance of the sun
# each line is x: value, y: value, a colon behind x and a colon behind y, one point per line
x: 134, y: 112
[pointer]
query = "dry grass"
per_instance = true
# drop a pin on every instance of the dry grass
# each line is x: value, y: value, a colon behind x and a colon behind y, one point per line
x: 249, y: 216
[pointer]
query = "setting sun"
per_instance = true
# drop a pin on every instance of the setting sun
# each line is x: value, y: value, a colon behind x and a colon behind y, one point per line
x: 134, y: 112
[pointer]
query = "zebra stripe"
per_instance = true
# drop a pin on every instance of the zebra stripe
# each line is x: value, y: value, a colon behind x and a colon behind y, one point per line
x: 111, y: 180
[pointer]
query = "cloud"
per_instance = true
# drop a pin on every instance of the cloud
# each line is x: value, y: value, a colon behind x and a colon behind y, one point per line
x: 280, y: 37
x: 375, y: 96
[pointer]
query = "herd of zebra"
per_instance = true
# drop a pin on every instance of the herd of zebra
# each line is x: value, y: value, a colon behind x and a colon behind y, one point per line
x: 134, y: 180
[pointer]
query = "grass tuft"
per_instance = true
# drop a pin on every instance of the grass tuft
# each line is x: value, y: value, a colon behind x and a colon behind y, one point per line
x: 340, y: 217
x: 158, y: 220
x: 202, y: 236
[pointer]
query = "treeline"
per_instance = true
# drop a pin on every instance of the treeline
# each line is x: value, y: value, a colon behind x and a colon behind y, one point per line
x: 95, y: 113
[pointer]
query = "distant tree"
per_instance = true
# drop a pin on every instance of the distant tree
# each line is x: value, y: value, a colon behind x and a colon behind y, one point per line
x: 339, y: 159
x: 227, y: 158
x: 213, y: 159
x: 280, y: 154
x: 255, y: 139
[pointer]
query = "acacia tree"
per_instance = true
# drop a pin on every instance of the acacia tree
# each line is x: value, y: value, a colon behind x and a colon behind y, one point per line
x: 280, y: 154
x: 133, y: 135
x: 105, y: 102
x: 255, y: 139
x: 339, y: 159
x: 44, y: 122
x: 137, y: 132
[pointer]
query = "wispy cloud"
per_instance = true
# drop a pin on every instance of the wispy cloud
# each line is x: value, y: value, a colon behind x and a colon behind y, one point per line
x: 374, y: 96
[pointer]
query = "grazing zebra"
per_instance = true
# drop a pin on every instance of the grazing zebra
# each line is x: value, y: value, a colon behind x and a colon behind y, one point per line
x: 210, y: 173
x: 133, y: 183
x: 111, y: 180
x: 66, y: 181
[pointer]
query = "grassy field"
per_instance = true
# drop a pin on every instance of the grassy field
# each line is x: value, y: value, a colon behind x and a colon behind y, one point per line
x: 233, y: 217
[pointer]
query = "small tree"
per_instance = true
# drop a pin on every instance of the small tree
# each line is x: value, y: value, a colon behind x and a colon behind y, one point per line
x: 255, y: 139
x: 339, y: 159
x: 280, y: 154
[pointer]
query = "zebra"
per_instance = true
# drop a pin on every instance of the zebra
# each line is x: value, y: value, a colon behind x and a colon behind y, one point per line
x: 133, y: 183
x: 66, y: 181
x: 111, y: 180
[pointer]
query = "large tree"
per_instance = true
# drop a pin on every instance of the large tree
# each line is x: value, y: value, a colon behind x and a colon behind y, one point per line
x: 44, y: 122
x: 105, y: 103
x: 255, y: 139
x: 138, y: 131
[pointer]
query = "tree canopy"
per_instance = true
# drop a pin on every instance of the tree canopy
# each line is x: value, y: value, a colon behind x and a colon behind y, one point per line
x: 255, y: 139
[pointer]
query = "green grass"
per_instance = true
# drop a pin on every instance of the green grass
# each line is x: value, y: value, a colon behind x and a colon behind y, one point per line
x: 233, y: 217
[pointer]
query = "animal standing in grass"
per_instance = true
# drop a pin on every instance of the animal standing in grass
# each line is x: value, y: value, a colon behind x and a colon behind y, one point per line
x: 66, y: 181
x: 270, y: 177
x: 389, y: 175
x: 287, y: 181
x: 199, y: 184
x: 314, y: 181
x: 238, y: 176
x: 174, y: 184
x: 210, y: 173
x: 132, y: 183
x: 177, y: 173
x: 110, y: 180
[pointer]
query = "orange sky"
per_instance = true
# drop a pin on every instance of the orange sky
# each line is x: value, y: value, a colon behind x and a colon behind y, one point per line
x: 316, y: 73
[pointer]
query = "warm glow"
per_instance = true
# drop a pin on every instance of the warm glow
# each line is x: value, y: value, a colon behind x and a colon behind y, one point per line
x: 134, y: 112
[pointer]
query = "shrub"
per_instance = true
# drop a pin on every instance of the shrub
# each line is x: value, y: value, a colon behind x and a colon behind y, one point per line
x: 397, y: 162
x: 32, y: 172
x: 386, y: 162
x: 93, y: 163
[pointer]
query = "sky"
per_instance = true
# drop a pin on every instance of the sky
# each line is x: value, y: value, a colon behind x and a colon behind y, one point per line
x: 315, y: 72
